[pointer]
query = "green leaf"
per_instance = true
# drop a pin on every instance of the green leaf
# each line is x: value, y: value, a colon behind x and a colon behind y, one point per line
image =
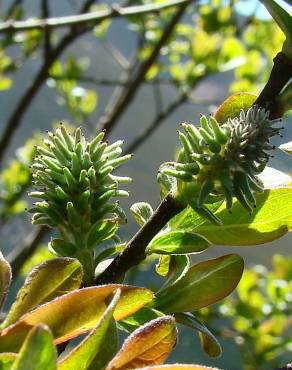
x: 177, y: 242
x: 178, y: 267
x: 232, y: 106
x: 162, y: 267
x: 5, y: 279
x: 96, y: 350
x: 148, y: 345
x: 47, y: 281
x: 269, y: 221
x: 100, y: 231
x: 37, y: 352
x: 139, y: 318
x: 204, y: 283
x: 209, y: 342
x: 6, y: 360
x: 142, y: 212
x: 75, y: 313
x: 179, y: 367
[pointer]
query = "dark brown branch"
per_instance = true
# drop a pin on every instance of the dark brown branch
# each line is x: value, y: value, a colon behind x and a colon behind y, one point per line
x: 134, y: 252
x: 19, y: 255
x: 281, y: 73
x: 114, y: 112
x: 47, y: 32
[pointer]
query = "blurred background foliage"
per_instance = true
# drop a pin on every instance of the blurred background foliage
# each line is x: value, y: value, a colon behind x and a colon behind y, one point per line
x: 169, y: 63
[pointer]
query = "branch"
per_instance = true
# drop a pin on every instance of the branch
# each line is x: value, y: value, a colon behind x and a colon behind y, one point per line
x: 281, y: 73
x: 134, y: 251
x: 91, y: 18
x: 114, y: 111
x: 156, y: 123
x: 18, y: 256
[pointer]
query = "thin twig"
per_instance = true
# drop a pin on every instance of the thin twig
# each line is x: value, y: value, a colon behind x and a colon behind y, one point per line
x: 114, y: 111
x: 90, y: 18
x: 19, y: 255
x: 47, y: 32
x: 115, y: 54
x: 134, y: 251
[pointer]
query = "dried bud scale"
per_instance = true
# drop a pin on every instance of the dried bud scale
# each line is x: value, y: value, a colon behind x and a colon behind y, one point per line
x: 222, y: 161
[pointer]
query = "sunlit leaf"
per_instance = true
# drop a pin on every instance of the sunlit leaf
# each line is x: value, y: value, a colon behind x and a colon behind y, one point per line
x: 269, y: 221
x: 162, y: 267
x: 178, y: 267
x: 37, y: 352
x: 96, y: 350
x: 177, y: 242
x: 47, y: 281
x: 6, y: 360
x: 142, y: 212
x: 75, y: 313
x: 5, y: 278
x: 139, y: 318
x: 232, y: 106
x: 287, y: 147
x: 209, y: 342
x: 204, y: 283
x: 148, y: 345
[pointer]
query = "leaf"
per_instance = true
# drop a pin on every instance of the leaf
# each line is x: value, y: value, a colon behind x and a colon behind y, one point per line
x: 142, y: 212
x: 208, y: 341
x: 178, y: 267
x: 269, y: 221
x: 37, y: 351
x: 139, y: 318
x: 47, y: 281
x: 162, y: 267
x: 6, y: 360
x: 148, y: 345
x: 178, y: 367
x: 204, y: 284
x: 5, y: 279
x: 75, y: 313
x: 272, y: 178
x: 100, y: 231
x: 96, y: 350
x: 287, y: 147
x: 232, y: 106
x: 177, y: 242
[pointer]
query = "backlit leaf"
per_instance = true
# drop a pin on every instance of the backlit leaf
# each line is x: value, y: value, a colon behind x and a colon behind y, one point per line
x: 6, y: 360
x: 204, y: 283
x: 5, y: 278
x: 209, y: 342
x: 178, y: 267
x: 148, y: 345
x: 177, y: 242
x: 45, y: 282
x: 96, y: 350
x: 142, y: 212
x: 232, y: 106
x: 178, y: 367
x: 75, y: 313
x: 37, y: 352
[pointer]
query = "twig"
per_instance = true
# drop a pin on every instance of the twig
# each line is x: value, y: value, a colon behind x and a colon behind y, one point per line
x: 47, y: 32
x: 281, y: 73
x: 116, y: 54
x: 18, y: 256
x: 134, y: 252
x: 90, y: 18
x: 156, y: 123
x: 113, y: 112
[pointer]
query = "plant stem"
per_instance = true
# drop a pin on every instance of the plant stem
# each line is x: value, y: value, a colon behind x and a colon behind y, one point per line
x: 134, y: 251
x: 281, y: 73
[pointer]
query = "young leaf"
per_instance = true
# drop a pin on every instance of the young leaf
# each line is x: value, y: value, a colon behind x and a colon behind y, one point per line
x: 37, y: 351
x: 162, y: 267
x: 177, y: 242
x: 178, y: 267
x: 205, y: 283
x: 6, y: 360
x: 75, y: 313
x: 209, y: 342
x: 5, y: 279
x: 45, y: 282
x: 232, y: 106
x: 148, y: 345
x: 269, y: 221
x: 142, y: 212
x: 95, y: 351
x: 139, y: 318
